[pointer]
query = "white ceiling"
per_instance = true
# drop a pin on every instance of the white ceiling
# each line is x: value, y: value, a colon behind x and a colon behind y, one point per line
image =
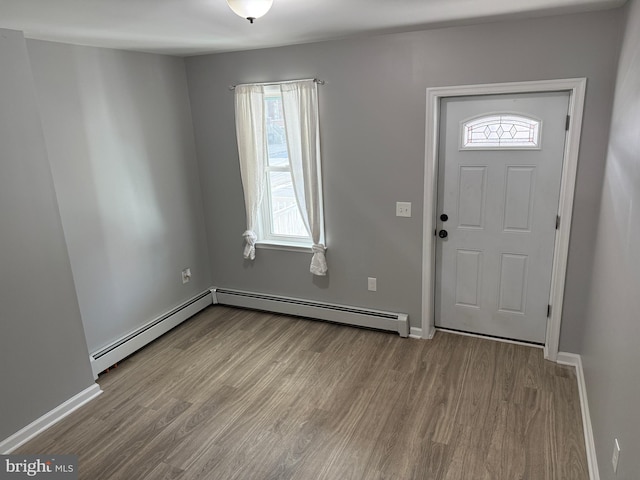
x: 188, y: 27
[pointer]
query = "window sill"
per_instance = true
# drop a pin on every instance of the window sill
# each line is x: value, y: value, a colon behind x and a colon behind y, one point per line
x: 288, y: 246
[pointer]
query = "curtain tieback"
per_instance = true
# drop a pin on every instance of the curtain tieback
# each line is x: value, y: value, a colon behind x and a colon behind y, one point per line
x: 250, y: 248
x: 318, y: 261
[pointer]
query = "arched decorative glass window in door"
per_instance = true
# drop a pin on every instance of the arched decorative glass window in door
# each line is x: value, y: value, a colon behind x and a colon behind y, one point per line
x: 497, y: 131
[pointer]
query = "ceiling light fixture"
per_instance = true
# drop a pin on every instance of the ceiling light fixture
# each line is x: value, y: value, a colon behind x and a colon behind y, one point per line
x: 250, y: 9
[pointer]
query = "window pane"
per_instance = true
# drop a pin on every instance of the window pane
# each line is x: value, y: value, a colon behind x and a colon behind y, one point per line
x: 498, y: 131
x: 285, y: 216
x: 276, y: 136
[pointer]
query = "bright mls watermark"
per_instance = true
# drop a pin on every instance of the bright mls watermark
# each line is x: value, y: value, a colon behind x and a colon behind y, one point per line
x: 51, y: 467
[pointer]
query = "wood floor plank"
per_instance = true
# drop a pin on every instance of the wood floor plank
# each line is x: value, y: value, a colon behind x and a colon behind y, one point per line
x: 162, y: 471
x: 566, y: 405
x: 233, y: 394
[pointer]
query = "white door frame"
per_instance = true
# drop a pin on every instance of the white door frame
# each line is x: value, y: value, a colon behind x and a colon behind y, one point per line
x: 577, y: 88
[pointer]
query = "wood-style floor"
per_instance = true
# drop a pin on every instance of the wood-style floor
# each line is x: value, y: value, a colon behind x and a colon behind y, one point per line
x: 235, y: 394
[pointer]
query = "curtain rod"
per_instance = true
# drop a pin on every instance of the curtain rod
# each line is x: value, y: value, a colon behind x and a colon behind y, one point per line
x: 318, y: 81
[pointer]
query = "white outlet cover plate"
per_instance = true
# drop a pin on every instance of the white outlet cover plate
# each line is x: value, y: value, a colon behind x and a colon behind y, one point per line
x: 186, y: 275
x: 372, y: 284
x: 403, y: 209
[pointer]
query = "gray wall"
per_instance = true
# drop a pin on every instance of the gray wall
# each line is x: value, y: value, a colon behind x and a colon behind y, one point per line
x: 43, y: 356
x: 611, y: 327
x: 372, y: 125
x: 118, y: 131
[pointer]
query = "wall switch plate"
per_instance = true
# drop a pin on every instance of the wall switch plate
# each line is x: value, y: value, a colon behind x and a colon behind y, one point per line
x: 372, y: 284
x: 403, y: 209
x: 186, y: 275
x: 616, y: 455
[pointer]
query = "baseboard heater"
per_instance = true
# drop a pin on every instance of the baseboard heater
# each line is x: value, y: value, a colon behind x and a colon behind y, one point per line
x: 361, y: 317
x: 138, y: 338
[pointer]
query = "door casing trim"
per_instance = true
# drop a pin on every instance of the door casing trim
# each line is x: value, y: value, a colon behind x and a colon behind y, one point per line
x: 577, y: 88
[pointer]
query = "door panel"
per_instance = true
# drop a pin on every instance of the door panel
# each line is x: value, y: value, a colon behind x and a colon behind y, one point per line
x: 468, y: 277
x: 519, y: 198
x: 471, y: 195
x: 513, y: 283
x: 493, y: 269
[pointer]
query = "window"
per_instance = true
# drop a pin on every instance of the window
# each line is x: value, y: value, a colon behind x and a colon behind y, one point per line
x: 280, y: 218
x: 500, y: 131
x: 279, y: 152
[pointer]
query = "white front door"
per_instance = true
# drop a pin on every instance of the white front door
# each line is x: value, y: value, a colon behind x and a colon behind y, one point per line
x: 499, y: 170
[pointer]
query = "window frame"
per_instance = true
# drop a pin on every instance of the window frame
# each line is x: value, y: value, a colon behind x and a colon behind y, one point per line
x: 266, y: 236
x: 507, y: 145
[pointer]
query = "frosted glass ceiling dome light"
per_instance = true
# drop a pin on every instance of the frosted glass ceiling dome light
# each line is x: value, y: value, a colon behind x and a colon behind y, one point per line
x: 250, y: 9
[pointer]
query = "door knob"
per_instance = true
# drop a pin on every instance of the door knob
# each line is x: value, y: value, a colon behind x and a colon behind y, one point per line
x: 442, y: 234
x: 444, y: 217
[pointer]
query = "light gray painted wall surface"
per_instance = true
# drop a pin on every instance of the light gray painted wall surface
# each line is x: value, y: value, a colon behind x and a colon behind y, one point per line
x: 372, y: 126
x: 611, y: 329
x: 118, y: 131
x: 43, y: 355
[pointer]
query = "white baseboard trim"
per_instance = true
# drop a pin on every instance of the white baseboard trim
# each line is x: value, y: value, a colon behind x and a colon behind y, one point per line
x: 430, y: 332
x: 574, y: 360
x: 415, y: 332
x: 39, y: 425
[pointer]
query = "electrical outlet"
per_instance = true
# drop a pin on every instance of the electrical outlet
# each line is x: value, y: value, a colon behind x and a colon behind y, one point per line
x: 616, y: 455
x: 403, y: 209
x: 186, y: 275
x: 372, y: 284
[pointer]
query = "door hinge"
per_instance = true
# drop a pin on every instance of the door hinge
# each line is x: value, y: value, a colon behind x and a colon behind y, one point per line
x: 557, y: 222
x: 568, y: 122
x: 548, y: 311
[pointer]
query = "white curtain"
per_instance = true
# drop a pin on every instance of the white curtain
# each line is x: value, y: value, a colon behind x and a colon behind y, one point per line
x: 300, y: 105
x: 252, y: 150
